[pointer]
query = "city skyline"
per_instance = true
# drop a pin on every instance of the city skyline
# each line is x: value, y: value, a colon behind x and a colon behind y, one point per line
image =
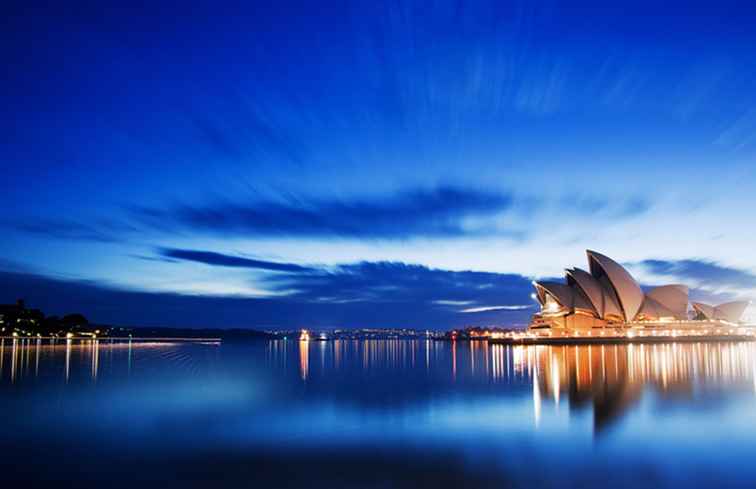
x: 352, y: 165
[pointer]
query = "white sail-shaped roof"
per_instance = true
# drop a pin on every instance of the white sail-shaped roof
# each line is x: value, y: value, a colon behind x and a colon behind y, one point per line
x: 581, y: 301
x: 610, y: 293
x: 628, y: 291
x: 562, y: 293
x: 568, y: 296
x: 705, y: 310
x: 590, y: 287
x: 611, y: 308
x: 673, y: 297
x: 652, y: 309
x: 602, y: 299
x: 731, y: 311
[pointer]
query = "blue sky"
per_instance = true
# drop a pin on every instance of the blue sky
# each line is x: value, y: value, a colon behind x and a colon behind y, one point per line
x: 370, y: 163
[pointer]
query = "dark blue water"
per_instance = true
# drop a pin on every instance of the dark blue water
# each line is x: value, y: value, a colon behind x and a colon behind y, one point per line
x: 377, y: 414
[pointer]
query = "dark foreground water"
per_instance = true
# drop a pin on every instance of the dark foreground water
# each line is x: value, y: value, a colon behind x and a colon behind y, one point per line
x: 377, y: 414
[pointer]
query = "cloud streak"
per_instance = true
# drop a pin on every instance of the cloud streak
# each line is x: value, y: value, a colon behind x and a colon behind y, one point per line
x: 442, y: 212
x: 439, y: 212
x: 364, y: 294
x: 496, y: 308
x: 382, y: 282
x: 99, y: 231
x: 223, y: 260
x: 703, y: 272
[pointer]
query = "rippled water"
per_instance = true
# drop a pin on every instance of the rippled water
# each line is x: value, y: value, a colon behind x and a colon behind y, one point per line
x: 388, y: 413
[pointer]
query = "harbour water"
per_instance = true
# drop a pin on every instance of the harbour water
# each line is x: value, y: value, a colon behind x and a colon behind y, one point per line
x: 377, y: 413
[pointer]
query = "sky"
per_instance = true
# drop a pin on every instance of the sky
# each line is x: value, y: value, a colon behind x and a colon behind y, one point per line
x: 366, y: 164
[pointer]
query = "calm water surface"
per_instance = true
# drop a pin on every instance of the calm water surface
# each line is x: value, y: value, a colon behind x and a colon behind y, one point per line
x: 376, y: 413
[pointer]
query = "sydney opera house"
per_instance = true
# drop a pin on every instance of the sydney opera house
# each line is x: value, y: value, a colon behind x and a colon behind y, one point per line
x: 607, y: 299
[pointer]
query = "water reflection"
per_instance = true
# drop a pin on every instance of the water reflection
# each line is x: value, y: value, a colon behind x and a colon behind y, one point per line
x: 607, y: 379
x: 610, y: 378
x: 304, y: 358
x: 68, y: 359
x: 95, y: 353
x: 14, y: 360
x: 454, y: 360
x: 36, y: 357
x: 575, y: 373
x: 29, y: 358
x: 277, y: 405
x: 372, y: 354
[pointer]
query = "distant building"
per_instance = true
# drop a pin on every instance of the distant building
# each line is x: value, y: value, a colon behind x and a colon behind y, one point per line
x: 15, y: 317
x: 607, y: 296
x: 10, y: 313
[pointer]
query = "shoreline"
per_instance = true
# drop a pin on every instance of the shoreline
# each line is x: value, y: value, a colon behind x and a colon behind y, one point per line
x: 112, y: 338
x: 621, y: 340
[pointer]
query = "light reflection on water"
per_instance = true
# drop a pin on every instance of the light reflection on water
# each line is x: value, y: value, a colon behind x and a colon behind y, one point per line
x: 477, y: 413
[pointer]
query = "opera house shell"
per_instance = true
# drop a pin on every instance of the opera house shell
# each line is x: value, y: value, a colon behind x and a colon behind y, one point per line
x: 607, y: 296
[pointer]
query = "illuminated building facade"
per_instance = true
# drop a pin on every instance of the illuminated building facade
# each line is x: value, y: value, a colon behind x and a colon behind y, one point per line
x: 607, y: 297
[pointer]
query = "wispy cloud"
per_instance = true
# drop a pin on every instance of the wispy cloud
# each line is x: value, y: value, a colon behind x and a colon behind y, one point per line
x: 450, y: 302
x: 741, y: 133
x: 615, y: 207
x: 496, y: 308
x: 353, y: 295
x: 396, y: 285
x: 541, y: 92
x: 223, y: 260
x: 103, y: 231
x: 702, y: 272
x: 248, y: 127
x: 400, y: 282
x: 439, y: 212
x: 698, y: 88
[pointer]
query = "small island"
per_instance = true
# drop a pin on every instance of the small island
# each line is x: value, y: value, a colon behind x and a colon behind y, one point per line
x: 17, y: 320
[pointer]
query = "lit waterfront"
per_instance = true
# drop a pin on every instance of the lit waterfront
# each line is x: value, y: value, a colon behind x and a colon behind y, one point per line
x: 465, y: 411
x: 649, y: 332
x: 24, y: 354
